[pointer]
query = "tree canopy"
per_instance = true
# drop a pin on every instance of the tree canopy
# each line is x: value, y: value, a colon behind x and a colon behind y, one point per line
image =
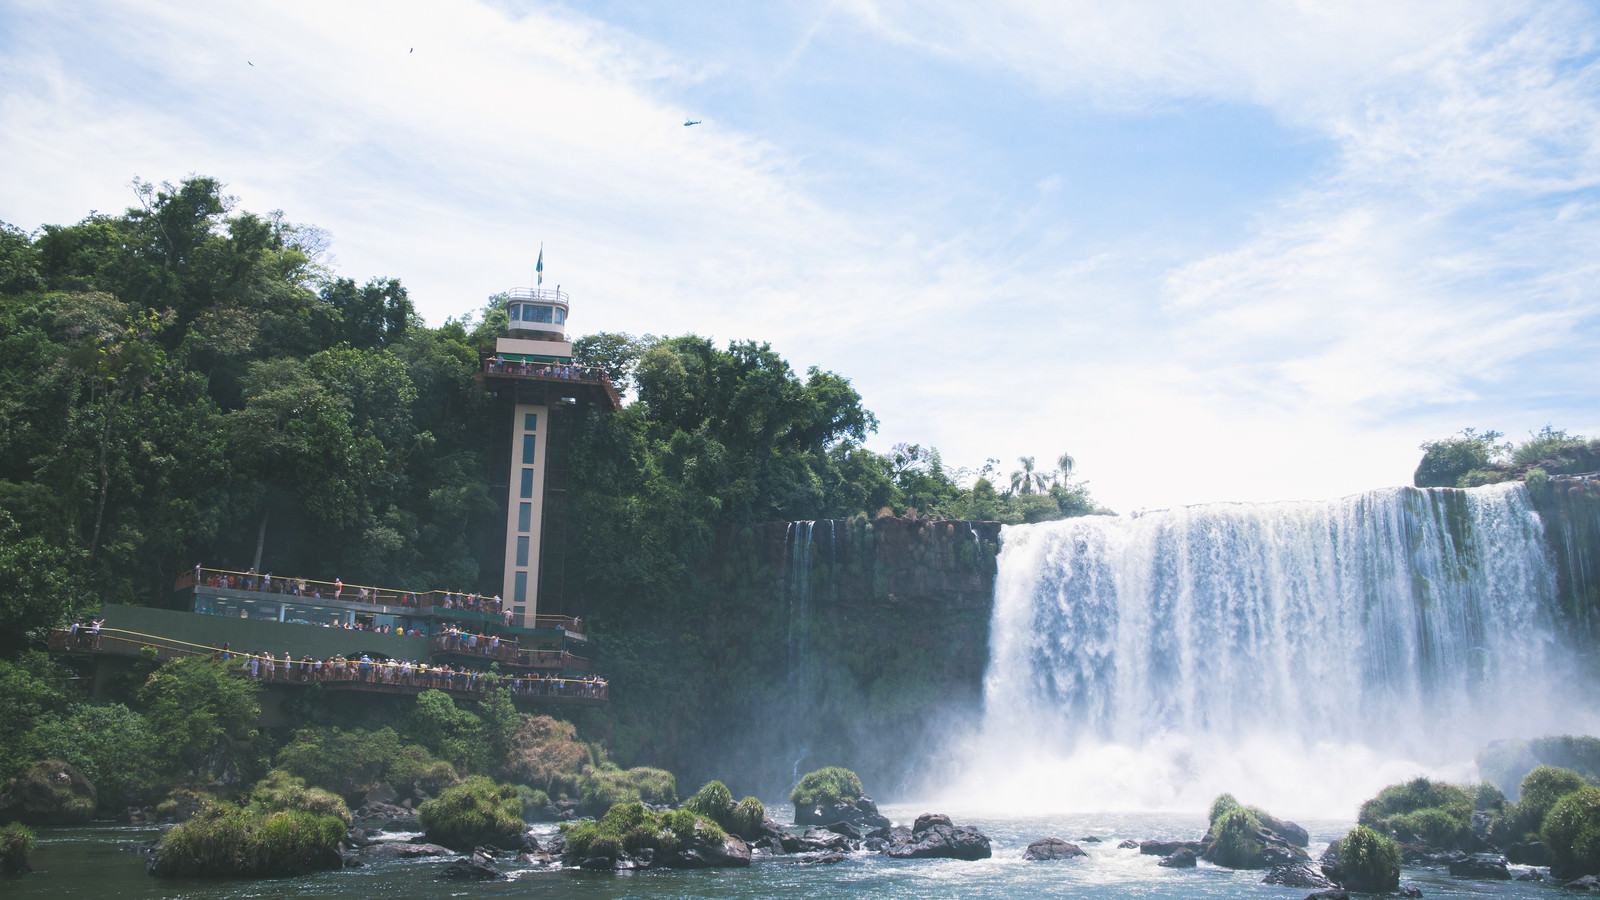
x: 190, y: 382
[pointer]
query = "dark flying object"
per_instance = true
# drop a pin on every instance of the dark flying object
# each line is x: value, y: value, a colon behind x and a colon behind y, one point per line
x: 412, y: 50
x: 252, y: 65
x: 691, y: 122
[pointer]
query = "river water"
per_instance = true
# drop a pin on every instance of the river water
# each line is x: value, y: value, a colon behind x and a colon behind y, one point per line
x: 91, y: 863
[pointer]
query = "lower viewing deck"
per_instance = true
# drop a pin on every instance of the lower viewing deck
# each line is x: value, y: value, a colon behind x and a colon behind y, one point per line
x: 293, y: 655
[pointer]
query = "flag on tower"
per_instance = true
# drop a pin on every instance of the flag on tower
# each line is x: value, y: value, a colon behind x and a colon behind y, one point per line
x: 538, y: 270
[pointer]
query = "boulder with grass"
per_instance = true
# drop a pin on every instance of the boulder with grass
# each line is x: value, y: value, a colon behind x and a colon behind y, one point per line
x: 16, y: 842
x: 714, y: 801
x: 1243, y: 837
x: 1363, y: 860
x: 228, y: 840
x: 50, y: 792
x: 632, y: 836
x: 831, y: 795
x: 477, y: 812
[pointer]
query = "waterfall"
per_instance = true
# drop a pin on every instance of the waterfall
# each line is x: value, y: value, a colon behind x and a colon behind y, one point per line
x: 1311, y: 652
x: 798, y: 548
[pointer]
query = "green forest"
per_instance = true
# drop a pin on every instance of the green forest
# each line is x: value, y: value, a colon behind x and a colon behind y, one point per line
x: 189, y: 382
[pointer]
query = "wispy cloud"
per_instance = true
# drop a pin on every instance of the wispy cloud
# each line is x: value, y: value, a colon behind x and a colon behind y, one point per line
x: 943, y: 238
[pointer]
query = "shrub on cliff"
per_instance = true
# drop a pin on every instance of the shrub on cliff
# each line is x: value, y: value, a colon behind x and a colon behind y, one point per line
x: 351, y: 763
x: 826, y: 787
x: 477, y: 811
x: 1368, y: 861
x: 604, y: 786
x: 282, y: 791
x: 113, y: 746
x: 545, y: 753
x: 1572, y: 834
x: 1422, y: 810
x: 16, y: 842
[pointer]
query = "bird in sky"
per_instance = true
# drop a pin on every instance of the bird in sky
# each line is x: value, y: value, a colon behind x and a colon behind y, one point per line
x: 412, y: 50
x: 252, y: 65
x: 691, y: 122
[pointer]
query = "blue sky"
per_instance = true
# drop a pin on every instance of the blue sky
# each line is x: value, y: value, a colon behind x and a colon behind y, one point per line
x: 1228, y: 251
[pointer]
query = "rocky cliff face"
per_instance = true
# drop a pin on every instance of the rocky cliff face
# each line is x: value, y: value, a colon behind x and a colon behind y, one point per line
x: 1569, y: 506
x: 849, y: 642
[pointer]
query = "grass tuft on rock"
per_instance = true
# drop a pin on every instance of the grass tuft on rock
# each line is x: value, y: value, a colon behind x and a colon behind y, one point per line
x: 826, y: 787
x: 1368, y: 861
x: 713, y: 801
x: 228, y: 840
x: 477, y: 811
x: 747, y: 817
x: 16, y: 842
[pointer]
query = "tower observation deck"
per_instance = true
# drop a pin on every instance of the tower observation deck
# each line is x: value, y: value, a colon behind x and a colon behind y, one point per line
x: 530, y: 373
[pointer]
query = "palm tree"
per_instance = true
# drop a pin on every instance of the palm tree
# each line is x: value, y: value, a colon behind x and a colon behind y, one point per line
x: 1026, y: 479
x: 1064, y: 466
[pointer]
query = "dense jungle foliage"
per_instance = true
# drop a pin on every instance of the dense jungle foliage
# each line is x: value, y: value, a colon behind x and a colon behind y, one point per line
x: 189, y: 382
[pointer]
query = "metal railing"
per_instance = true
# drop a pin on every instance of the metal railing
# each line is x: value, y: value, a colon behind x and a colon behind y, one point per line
x: 386, y: 675
x: 545, y: 371
x: 539, y: 295
x: 394, y: 602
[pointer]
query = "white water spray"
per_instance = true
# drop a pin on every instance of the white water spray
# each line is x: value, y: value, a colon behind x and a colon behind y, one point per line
x: 1299, y: 655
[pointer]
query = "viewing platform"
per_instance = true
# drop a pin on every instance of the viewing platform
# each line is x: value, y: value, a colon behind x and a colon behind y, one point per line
x: 352, y: 637
x: 362, y: 671
x: 543, y: 379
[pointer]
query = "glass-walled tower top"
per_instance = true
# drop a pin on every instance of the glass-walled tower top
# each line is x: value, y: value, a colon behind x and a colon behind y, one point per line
x: 538, y: 314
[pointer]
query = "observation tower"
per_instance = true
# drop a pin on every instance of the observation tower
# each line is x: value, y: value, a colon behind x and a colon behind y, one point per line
x: 540, y: 393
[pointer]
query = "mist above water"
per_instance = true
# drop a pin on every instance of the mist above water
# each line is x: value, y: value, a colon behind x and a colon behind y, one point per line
x: 1299, y: 655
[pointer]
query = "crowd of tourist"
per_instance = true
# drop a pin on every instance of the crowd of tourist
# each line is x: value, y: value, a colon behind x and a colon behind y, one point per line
x: 502, y: 366
x: 85, y: 635
x: 337, y: 590
x: 365, y: 669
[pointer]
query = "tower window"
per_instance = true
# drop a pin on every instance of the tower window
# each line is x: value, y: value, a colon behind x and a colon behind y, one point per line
x: 522, y: 551
x: 519, y: 589
x: 530, y: 421
x: 527, y: 484
x: 527, y: 450
x: 525, y: 517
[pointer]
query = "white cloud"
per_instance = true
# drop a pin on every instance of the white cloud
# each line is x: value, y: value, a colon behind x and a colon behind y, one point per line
x: 1398, y: 288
